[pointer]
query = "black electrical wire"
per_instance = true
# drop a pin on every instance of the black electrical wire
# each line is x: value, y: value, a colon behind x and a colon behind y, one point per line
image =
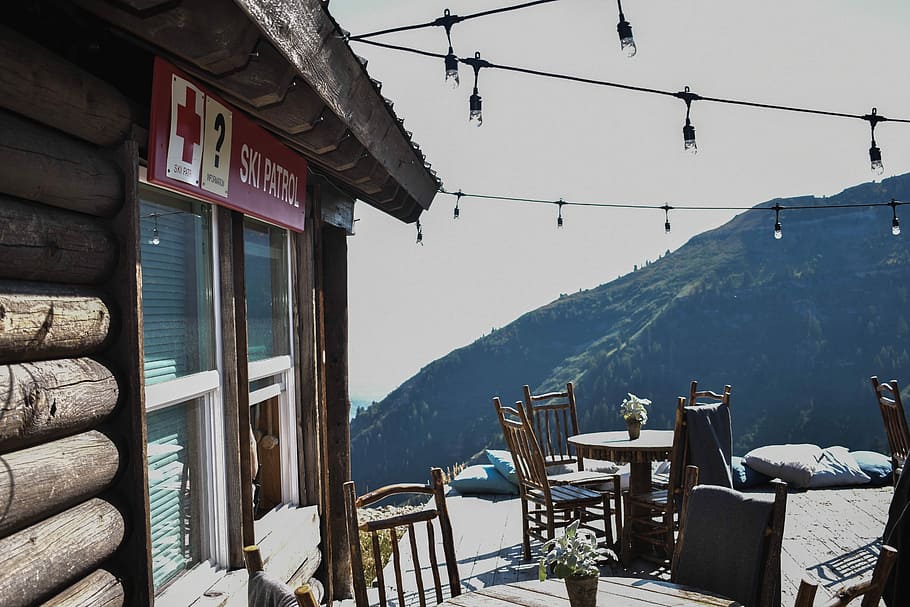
x: 561, y: 202
x: 453, y: 19
x: 640, y: 89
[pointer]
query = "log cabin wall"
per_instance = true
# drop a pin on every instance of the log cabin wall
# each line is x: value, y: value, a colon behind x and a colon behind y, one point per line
x: 72, y: 443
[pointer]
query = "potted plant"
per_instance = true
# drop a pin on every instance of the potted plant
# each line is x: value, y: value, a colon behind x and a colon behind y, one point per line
x: 633, y: 410
x: 574, y: 557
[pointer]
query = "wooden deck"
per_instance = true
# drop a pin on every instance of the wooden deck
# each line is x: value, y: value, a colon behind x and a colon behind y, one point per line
x: 831, y: 536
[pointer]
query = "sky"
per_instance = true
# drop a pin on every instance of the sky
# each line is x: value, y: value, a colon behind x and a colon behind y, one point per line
x: 548, y: 139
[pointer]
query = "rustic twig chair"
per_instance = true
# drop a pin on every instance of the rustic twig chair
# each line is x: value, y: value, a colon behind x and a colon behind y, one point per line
x: 554, y: 419
x: 651, y: 518
x: 546, y: 507
x: 723, y: 534
x: 302, y: 595
x: 871, y: 590
x: 438, y: 511
x: 888, y: 396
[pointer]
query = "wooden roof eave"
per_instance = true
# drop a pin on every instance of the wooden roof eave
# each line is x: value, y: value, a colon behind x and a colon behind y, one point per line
x: 286, y: 64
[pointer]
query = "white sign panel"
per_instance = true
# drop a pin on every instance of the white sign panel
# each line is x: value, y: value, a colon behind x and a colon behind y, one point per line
x: 216, y: 148
x: 184, y: 150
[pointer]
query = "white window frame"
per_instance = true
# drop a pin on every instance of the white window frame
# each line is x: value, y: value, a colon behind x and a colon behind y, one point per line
x: 207, y: 386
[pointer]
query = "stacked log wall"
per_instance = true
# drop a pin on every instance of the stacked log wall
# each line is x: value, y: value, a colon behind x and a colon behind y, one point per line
x: 72, y: 439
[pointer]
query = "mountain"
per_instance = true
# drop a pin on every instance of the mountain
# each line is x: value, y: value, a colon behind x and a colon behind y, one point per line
x: 795, y: 325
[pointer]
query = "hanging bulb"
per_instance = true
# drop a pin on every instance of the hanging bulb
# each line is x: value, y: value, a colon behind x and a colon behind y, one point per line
x: 475, y: 116
x: 689, y: 144
x: 458, y: 196
x: 666, y: 209
x: 559, y: 215
x: 895, y: 222
x: 455, y: 212
x: 419, y: 233
x: 626, y: 41
x: 452, y: 69
x: 778, y: 230
x: 875, y: 159
x: 155, y: 240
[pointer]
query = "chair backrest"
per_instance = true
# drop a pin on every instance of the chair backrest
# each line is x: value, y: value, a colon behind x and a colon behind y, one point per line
x: 526, y: 453
x: 871, y: 590
x: 730, y: 543
x: 554, y: 420
x: 394, y: 524
x: 888, y: 395
x: 679, y: 455
x: 707, y: 438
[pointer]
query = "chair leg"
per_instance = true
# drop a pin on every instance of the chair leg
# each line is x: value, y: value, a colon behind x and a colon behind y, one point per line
x: 627, y: 534
x: 669, y: 541
x: 617, y: 511
x: 525, y: 524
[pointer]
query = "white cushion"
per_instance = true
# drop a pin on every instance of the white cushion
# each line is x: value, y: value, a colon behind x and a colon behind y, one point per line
x: 598, y: 465
x: 793, y: 464
x: 837, y: 466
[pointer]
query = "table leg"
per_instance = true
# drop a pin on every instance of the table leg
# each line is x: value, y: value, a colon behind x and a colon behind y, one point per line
x: 639, y: 483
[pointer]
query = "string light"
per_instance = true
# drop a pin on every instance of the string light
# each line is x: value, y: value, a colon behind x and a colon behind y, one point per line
x: 666, y: 209
x: 778, y: 231
x: 451, y: 61
x: 895, y: 222
x: 419, y: 233
x: 689, y: 144
x: 475, y: 107
x: 875, y: 154
x: 155, y: 238
x: 626, y: 41
x: 560, y: 204
x: 458, y: 196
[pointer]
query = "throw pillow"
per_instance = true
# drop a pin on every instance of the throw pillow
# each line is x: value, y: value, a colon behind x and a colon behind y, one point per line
x: 837, y: 467
x: 502, y: 461
x: 877, y: 466
x: 793, y: 464
x: 745, y: 477
x: 482, y: 479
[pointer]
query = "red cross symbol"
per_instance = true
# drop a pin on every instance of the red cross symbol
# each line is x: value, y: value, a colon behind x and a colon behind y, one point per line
x: 189, y: 123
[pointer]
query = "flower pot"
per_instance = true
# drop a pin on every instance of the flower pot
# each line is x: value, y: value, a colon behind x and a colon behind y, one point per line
x: 634, y: 429
x: 582, y: 591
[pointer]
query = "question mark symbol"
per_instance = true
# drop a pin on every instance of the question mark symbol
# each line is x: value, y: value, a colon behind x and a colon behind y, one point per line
x: 221, y: 128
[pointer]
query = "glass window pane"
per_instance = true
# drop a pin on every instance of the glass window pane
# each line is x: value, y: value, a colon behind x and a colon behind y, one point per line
x: 266, y: 272
x: 177, y: 312
x: 175, y: 489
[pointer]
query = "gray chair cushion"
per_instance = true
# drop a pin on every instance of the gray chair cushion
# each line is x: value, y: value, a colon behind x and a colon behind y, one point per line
x: 723, y: 546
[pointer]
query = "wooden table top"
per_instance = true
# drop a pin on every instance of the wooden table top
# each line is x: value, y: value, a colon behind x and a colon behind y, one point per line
x: 611, y: 592
x: 617, y: 446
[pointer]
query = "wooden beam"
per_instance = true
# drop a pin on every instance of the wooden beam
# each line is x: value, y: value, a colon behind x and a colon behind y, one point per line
x: 48, y: 399
x: 44, y: 165
x: 307, y: 35
x: 41, y: 85
x: 49, y: 556
x: 41, y: 243
x: 338, y: 404
x: 50, y: 477
x: 100, y: 588
x: 39, y: 321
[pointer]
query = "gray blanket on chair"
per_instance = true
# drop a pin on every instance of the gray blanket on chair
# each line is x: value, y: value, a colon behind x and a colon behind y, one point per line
x: 723, y: 545
x: 710, y: 443
x: 267, y: 591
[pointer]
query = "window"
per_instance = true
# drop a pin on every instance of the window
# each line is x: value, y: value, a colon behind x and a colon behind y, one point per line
x: 266, y: 274
x: 182, y: 386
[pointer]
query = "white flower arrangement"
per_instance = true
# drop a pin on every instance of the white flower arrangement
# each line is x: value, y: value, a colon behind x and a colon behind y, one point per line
x: 633, y: 409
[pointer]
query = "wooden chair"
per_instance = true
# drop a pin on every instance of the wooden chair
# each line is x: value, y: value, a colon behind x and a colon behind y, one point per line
x: 545, y: 506
x: 302, y: 594
x: 888, y: 396
x: 871, y: 590
x: 717, y: 574
x: 436, y: 512
x: 554, y: 419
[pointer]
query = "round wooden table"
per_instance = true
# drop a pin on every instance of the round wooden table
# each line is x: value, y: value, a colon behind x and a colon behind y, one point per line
x: 619, y: 591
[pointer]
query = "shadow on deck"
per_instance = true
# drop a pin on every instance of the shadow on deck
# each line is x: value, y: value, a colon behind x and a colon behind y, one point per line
x: 831, y: 536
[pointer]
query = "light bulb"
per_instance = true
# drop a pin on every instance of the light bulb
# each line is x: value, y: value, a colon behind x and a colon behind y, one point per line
x: 896, y: 226
x: 455, y: 213
x: 689, y: 138
x: 559, y: 221
x: 155, y: 240
x: 778, y: 232
x: 452, y: 69
x: 476, y: 113
x: 626, y: 41
x: 666, y: 227
x: 875, y: 159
